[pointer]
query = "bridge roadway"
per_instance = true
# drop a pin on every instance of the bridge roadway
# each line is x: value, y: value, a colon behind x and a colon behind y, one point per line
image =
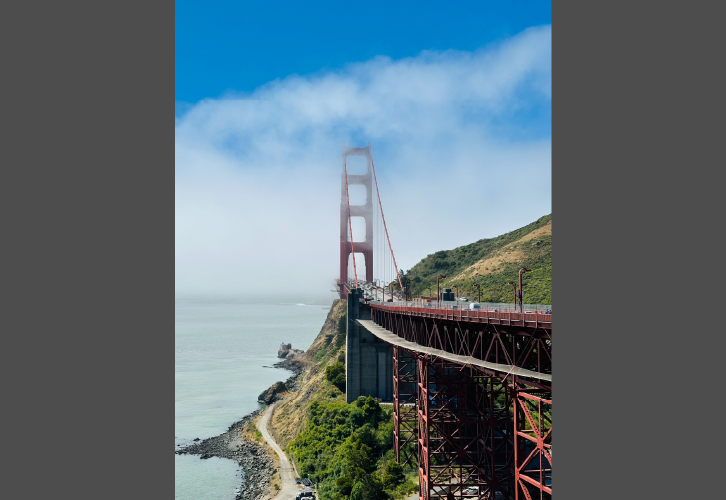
x: 461, y: 312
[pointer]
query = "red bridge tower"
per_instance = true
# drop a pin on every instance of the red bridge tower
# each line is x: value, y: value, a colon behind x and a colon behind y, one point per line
x: 366, y: 211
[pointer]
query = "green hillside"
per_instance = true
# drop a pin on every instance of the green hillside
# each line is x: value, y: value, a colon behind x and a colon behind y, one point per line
x: 347, y: 449
x: 492, y: 263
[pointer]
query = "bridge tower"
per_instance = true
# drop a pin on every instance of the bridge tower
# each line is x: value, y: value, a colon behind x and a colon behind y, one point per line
x: 366, y: 211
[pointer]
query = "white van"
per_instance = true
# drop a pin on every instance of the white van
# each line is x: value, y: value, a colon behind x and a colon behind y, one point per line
x: 474, y: 306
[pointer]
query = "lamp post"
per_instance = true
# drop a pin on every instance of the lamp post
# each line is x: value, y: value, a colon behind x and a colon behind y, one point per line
x: 478, y: 287
x: 457, y: 291
x: 514, y: 291
x: 438, y: 293
x: 521, y: 293
x: 405, y: 290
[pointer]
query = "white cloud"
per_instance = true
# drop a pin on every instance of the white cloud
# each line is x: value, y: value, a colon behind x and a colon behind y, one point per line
x: 258, y: 176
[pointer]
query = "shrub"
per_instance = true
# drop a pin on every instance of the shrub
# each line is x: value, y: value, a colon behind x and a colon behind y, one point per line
x: 335, y: 374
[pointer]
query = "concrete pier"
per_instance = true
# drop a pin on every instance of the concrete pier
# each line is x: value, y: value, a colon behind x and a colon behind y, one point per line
x: 368, y: 360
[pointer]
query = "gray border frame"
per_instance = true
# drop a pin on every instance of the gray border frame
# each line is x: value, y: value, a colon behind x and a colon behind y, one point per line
x: 634, y: 145
x: 88, y: 239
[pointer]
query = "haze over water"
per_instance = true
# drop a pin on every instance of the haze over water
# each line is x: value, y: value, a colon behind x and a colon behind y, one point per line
x: 220, y: 352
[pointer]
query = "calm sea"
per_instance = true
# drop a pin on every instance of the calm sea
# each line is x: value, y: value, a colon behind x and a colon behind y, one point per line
x: 221, y: 350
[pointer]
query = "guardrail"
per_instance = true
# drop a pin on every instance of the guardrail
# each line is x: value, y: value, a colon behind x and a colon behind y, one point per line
x: 459, y: 305
x: 537, y: 316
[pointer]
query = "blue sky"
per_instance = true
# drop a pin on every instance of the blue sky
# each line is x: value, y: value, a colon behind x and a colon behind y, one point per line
x: 240, y: 45
x: 455, y: 101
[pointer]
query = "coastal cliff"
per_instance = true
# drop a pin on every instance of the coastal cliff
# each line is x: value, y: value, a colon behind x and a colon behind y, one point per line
x: 346, y: 449
x: 328, y: 348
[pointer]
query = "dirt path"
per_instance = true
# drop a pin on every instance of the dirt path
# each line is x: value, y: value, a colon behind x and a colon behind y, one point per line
x: 289, y: 489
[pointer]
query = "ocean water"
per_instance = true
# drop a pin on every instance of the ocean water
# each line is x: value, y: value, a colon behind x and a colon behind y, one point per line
x: 220, y: 353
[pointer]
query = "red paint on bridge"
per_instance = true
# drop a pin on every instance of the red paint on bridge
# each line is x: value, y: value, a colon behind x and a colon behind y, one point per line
x: 503, y: 318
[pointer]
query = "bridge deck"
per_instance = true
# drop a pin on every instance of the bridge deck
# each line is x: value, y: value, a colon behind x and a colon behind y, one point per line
x: 394, y: 339
x: 504, y: 318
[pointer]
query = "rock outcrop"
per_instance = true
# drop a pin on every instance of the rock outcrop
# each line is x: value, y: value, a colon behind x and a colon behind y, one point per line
x: 271, y: 394
x: 284, y: 350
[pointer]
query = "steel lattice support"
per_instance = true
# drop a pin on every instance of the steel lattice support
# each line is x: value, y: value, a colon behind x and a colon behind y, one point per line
x: 405, y: 392
x: 465, y: 433
x: 476, y: 426
x: 533, y: 446
x: 422, y: 409
x: 497, y: 468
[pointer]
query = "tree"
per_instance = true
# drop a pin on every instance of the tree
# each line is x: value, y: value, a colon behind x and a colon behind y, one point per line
x: 367, y: 488
x: 372, y: 411
x: 394, y: 475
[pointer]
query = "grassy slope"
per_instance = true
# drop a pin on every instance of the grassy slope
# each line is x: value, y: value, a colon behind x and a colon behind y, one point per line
x: 492, y: 263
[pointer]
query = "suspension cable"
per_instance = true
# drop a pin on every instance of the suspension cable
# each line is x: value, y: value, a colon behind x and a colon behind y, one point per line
x: 384, y: 224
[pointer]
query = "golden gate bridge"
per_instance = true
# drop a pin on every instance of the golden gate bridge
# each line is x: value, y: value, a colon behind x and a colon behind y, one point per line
x: 471, y: 388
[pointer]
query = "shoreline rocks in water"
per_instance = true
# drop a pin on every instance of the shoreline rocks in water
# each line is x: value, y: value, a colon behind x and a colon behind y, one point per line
x: 286, y: 351
x: 254, y: 460
x: 257, y: 465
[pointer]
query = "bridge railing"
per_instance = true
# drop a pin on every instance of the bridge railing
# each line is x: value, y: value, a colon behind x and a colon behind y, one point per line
x: 483, y: 306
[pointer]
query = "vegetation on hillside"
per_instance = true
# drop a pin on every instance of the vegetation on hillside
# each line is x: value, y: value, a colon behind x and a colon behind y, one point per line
x: 492, y: 263
x: 348, y: 450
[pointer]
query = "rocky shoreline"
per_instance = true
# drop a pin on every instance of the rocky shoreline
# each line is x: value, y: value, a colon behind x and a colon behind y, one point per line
x: 253, y: 459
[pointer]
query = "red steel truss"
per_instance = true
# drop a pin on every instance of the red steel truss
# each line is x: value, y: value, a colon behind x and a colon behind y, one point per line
x: 529, y: 348
x: 405, y: 419
x: 480, y: 433
x: 465, y: 433
x: 533, y: 450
